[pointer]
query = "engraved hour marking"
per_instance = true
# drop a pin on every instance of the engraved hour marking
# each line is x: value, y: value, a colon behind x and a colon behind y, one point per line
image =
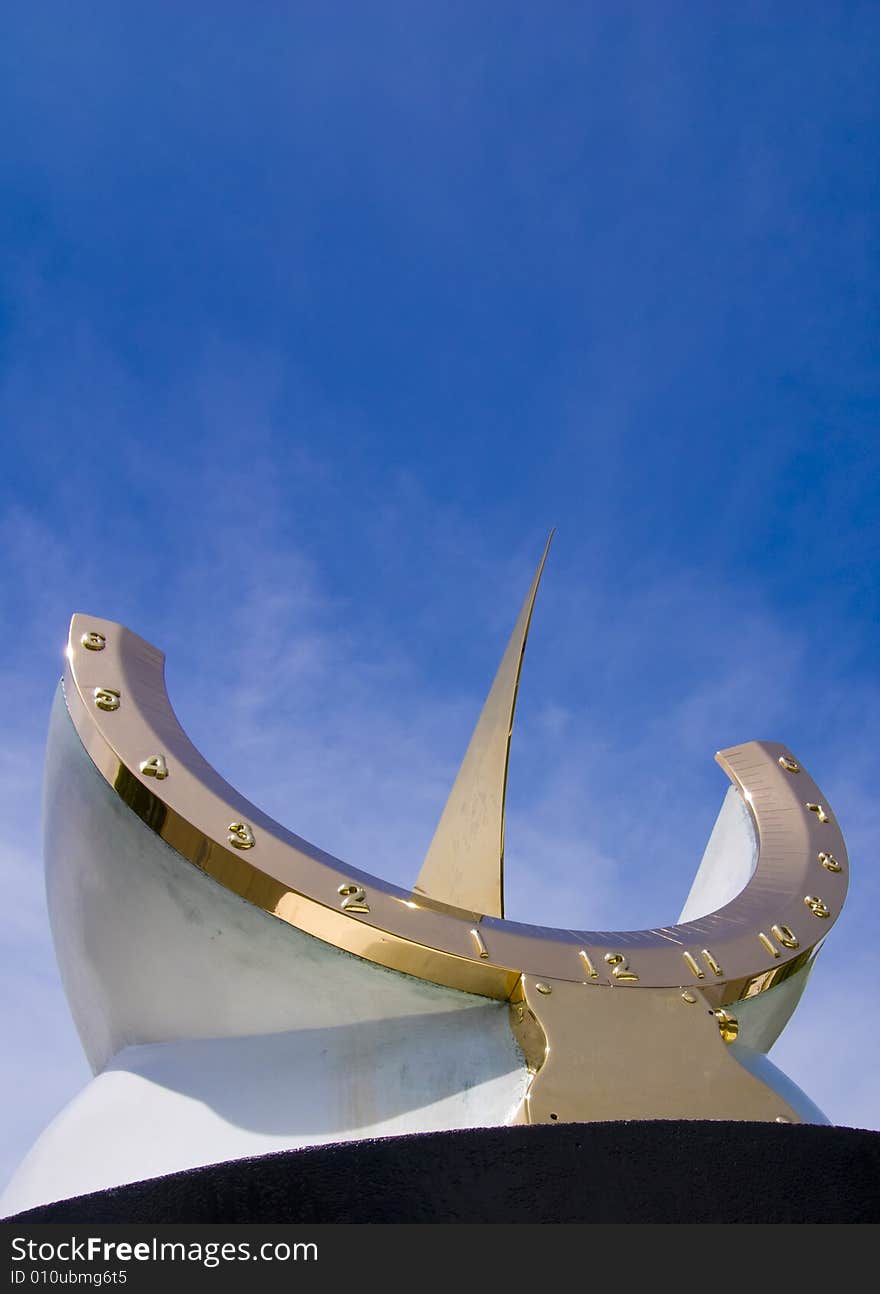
x: 768, y: 944
x: 816, y: 906
x: 240, y: 836
x: 786, y: 936
x: 478, y: 943
x: 354, y: 898
x: 106, y: 698
x: 94, y: 641
x: 619, y: 969
x: 790, y: 765
x: 588, y: 965
x: 708, y: 959
x: 830, y: 863
x: 819, y: 811
x: 155, y: 766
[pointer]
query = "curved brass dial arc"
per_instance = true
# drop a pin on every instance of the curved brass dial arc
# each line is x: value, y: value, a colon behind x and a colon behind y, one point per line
x: 728, y: 954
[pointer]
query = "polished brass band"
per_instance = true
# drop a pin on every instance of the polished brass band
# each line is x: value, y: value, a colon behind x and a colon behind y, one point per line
x: 589, y: 1054
x: 205, y: 819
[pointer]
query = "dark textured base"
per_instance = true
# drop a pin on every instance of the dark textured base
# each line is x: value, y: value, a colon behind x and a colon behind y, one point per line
x: 600, y: 1172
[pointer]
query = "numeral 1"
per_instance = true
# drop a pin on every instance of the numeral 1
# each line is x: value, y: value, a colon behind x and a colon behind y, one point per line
x: 479, y: 943
x: 768, y: 944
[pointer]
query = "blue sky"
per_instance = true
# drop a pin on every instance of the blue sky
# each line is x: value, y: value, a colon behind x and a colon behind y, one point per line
x: 317, y: 317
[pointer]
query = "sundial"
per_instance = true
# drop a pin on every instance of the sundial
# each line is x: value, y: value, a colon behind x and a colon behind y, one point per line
x: 190, y: 925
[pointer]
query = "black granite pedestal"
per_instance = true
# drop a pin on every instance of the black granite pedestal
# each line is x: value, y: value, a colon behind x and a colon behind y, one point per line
x: 600, y: 1172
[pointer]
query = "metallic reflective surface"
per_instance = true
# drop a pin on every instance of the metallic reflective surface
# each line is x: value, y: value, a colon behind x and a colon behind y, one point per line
x: 154, y: 767
x: 728, y: 1025
x: 660, y: 1057
x: 300, y: 884
x: 464, y: 865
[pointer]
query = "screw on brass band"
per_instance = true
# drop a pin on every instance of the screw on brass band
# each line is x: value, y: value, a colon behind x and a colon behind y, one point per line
x: 819, y: 810
x: 786, y: 936
x: 93, y: 641
x: 241, y: 836
x: 790, y: 765
x: 155, y: 766
x: 728, y: 1024
x: 688, y: 997
x: 478, y: 943
x: 106, y: 698
x: 543, y: 988
x: 830, y: 863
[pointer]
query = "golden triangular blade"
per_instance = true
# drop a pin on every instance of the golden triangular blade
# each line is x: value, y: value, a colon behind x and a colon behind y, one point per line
x: 464, y: 865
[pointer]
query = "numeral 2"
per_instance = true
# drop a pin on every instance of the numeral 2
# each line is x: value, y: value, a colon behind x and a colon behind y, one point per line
x: 354, y: 898
x: 619, y: 969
